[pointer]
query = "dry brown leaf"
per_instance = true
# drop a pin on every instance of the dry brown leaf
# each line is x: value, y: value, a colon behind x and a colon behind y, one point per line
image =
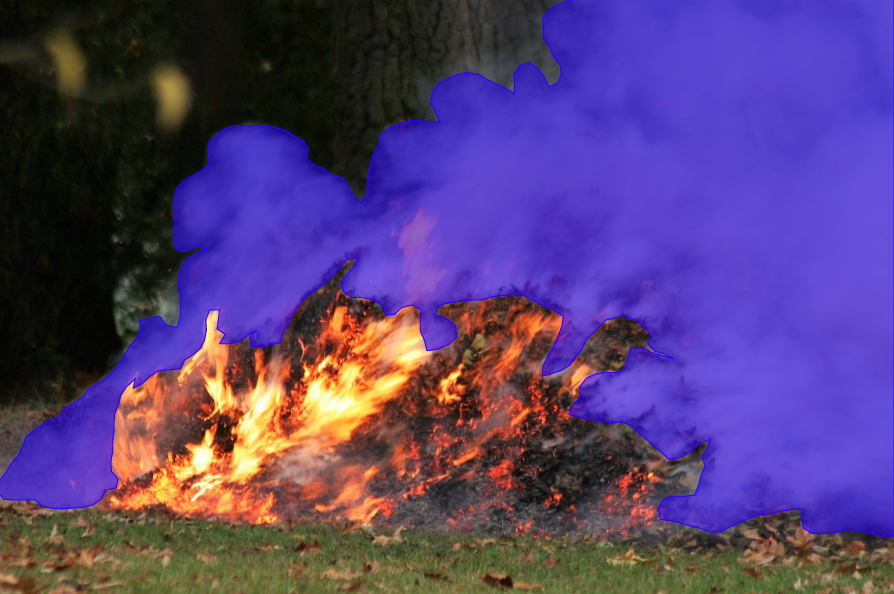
x: 765, y: 552
x: 802, y: 541
x: 847, y: 568
x: 85, y: 558
x: 215, y: 583
x: 108, y: 585
x: 308, y: 548
x: 370, y: 566
x: 526, y: 558
x: 432, y: 575
x: 497, y: 580
x: 64, y: 589
x: 206, y: 558
x: 629, y: 558
x: 55, y: 538
x: 551, y: 562
x: 335, y: 574
x: 8, y: 579
x: 755, y: 573
x: 526, y: 586
x: 387, y: 540
x: 855, y: 548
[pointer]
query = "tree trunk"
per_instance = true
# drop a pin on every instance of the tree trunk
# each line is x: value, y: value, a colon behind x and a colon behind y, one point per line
x: 390, y: 54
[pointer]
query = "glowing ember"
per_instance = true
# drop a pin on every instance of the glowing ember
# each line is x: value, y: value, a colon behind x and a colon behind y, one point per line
x: 361, y: 422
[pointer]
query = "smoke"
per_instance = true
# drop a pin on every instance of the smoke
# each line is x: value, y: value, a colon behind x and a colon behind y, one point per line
x: 719, y: 172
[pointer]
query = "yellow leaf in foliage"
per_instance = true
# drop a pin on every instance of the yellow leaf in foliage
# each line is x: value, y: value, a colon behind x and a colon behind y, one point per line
x: 69, y: 62
x: 173, y: 96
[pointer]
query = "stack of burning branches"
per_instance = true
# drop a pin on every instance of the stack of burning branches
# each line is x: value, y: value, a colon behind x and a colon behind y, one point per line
x: 350, y: 418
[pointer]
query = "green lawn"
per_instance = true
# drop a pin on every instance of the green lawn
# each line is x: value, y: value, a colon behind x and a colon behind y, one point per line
x: 94, y: 551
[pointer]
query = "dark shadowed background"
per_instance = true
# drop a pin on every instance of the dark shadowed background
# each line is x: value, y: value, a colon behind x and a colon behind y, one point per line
x: 105, y: 107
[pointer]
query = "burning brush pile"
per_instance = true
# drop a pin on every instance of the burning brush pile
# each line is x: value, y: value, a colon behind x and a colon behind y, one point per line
x: 350, y: 418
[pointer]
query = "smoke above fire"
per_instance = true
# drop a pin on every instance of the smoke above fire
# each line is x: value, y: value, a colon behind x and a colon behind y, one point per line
x: 718, y: 172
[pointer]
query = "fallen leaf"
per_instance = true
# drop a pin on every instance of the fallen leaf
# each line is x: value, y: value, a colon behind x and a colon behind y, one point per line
x: 85, y: 558
x: 526, y: 558
x: 436, y: 576
x: 206, y: 558
x: 526, y: 586
x: 802, y: 541
x: 628, y: 558
x: 108, y: 585
x: 308, y: 548
x: 755, y: 572
x: 387, y: 540
x: 551, y: 562
x: 370, y: 566
x: 64, y: 589
x: 335, y: 574
x: 55, y: 537
x: 497, y: 580
x: 847, y: 568
x: 855, y: 548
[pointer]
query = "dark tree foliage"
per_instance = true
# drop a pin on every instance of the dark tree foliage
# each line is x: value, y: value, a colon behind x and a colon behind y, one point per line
x: 87, y: 182
x: 87, y: 179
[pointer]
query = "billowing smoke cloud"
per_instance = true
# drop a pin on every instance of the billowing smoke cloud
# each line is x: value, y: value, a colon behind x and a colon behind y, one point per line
x: 719, y: 172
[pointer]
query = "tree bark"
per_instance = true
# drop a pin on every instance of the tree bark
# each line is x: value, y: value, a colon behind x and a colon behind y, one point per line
x: 390, y: 54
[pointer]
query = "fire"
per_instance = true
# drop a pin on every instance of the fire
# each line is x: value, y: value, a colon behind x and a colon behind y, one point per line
x: 362, y: 422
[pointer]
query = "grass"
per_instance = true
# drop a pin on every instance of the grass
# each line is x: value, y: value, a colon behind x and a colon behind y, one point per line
x: 93, y: 551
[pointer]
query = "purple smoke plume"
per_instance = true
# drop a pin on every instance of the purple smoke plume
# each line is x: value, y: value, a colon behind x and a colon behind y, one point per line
x: 719, y: 172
